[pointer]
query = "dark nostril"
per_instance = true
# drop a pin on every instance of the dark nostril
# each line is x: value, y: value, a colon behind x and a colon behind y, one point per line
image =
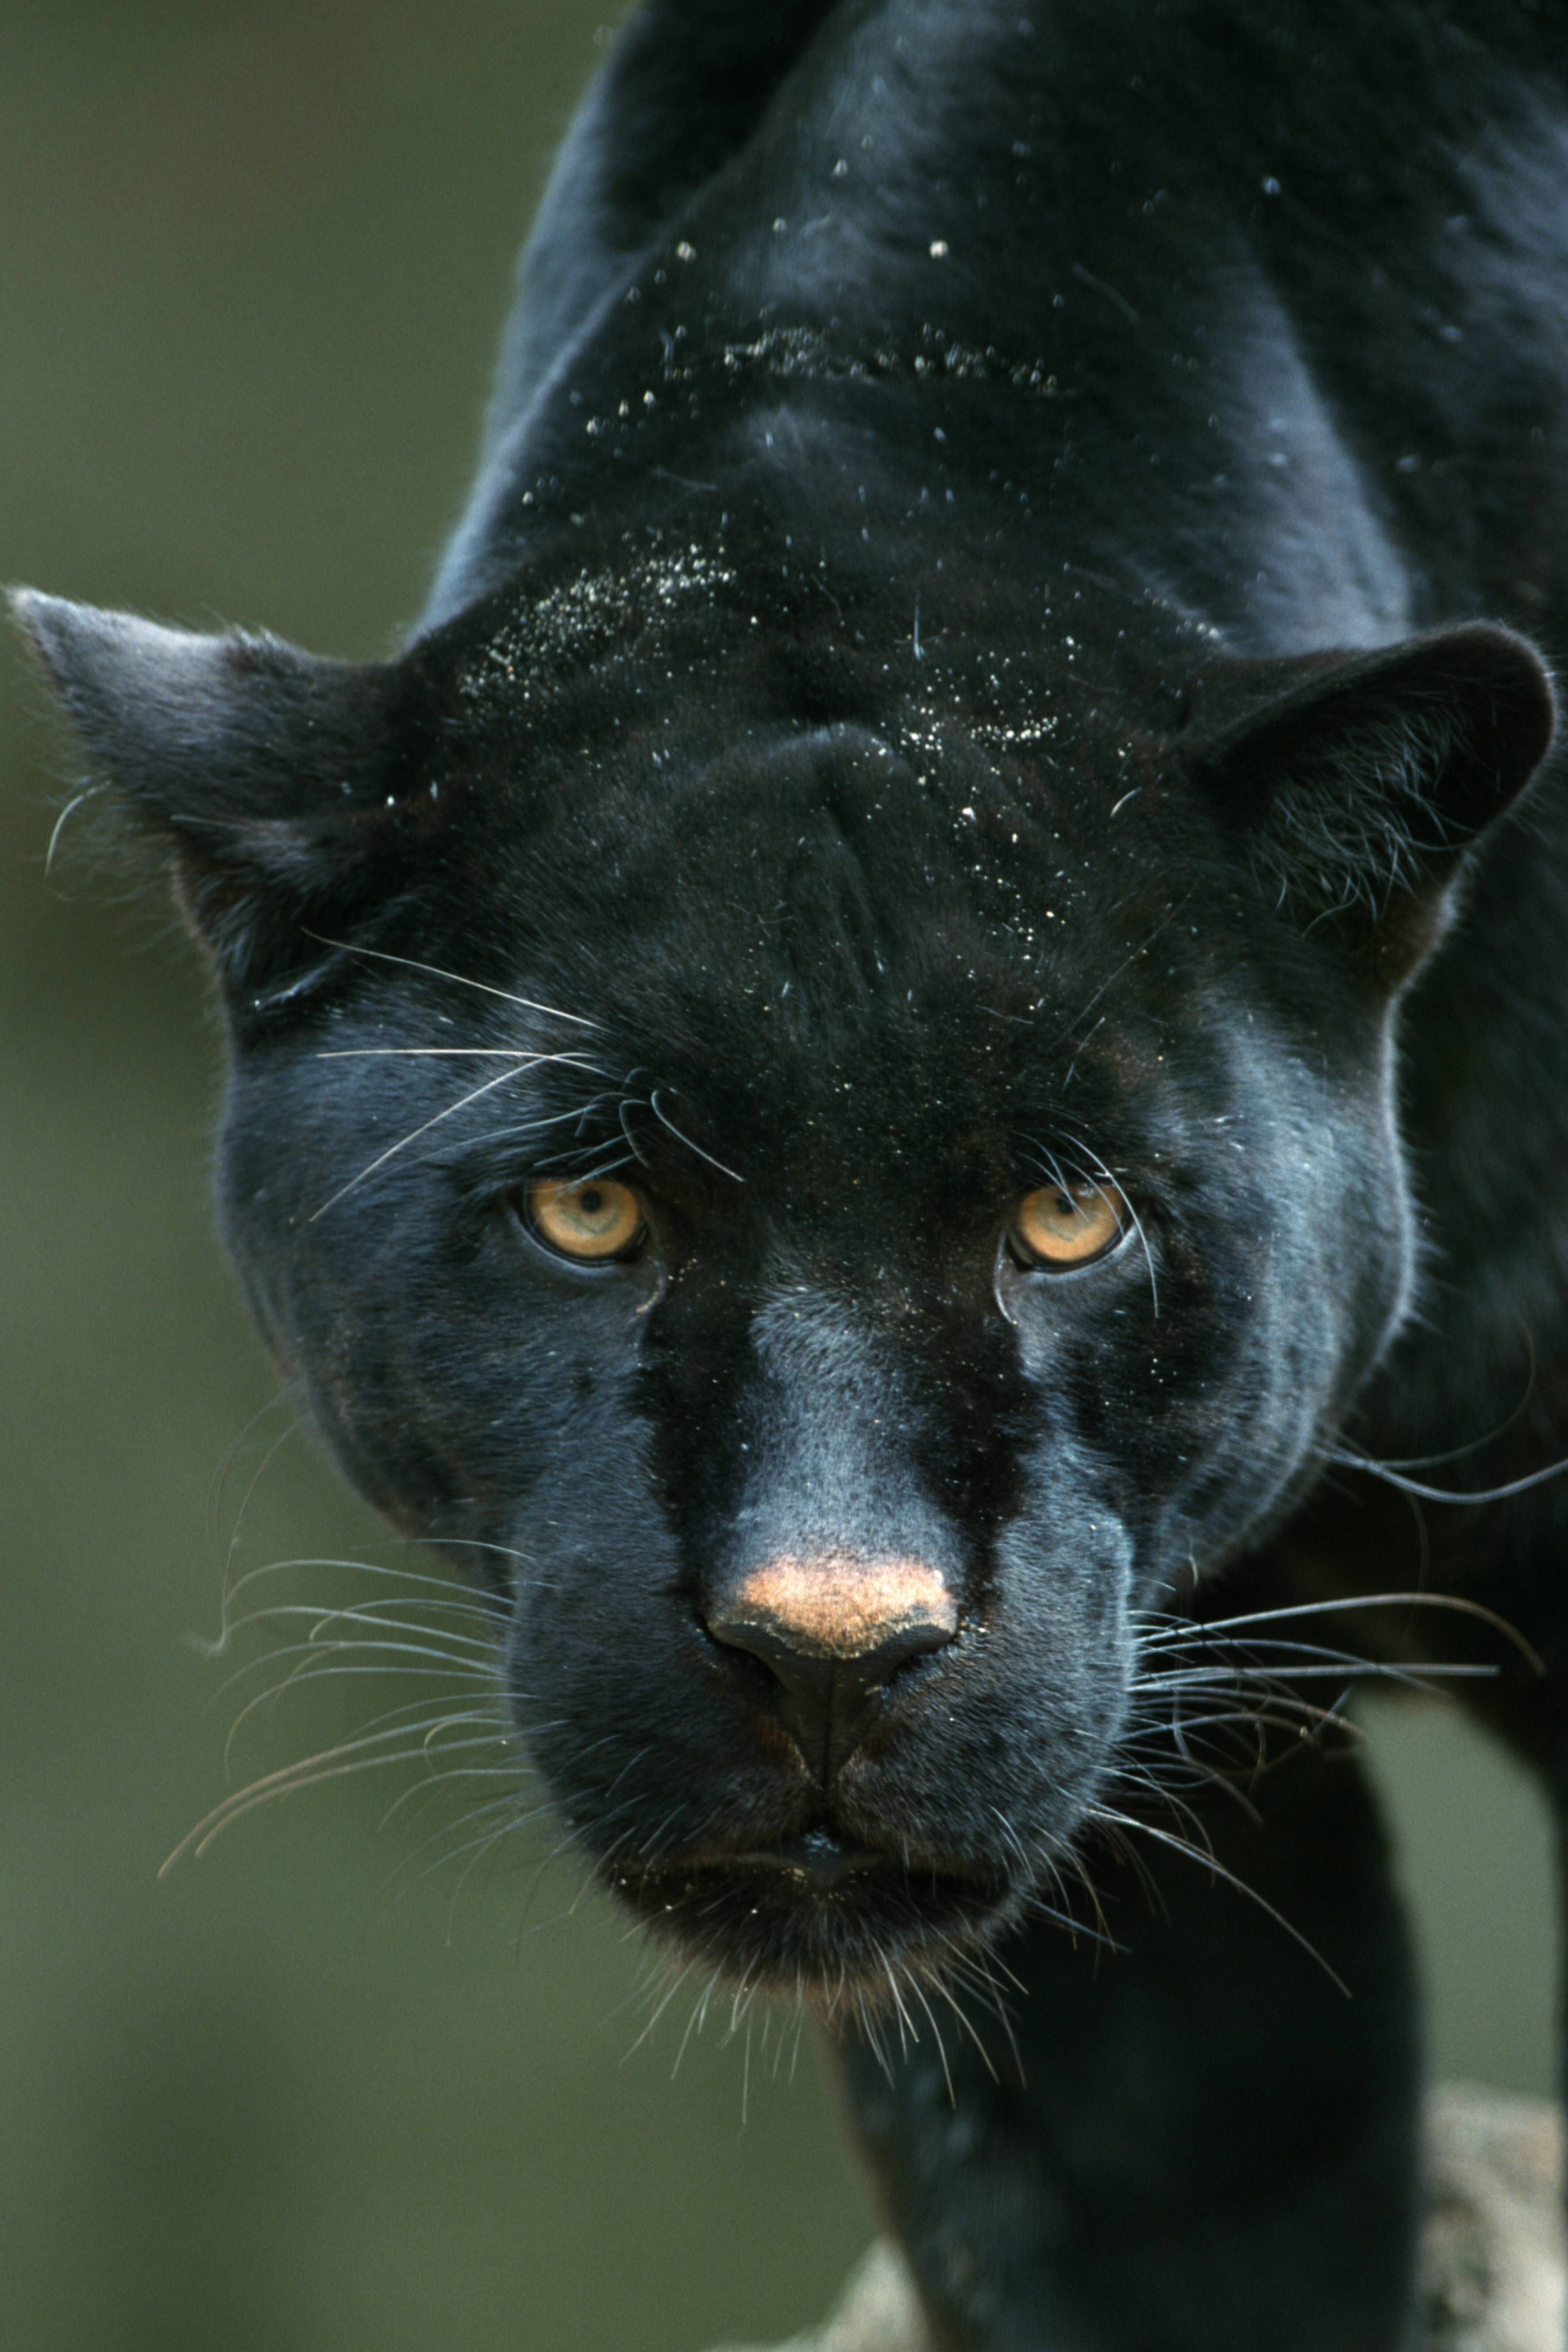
x: 832, y: 1633
x: 807, y: 1674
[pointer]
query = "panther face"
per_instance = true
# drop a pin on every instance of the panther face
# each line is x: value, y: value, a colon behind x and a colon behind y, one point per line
x: 848, y: 1218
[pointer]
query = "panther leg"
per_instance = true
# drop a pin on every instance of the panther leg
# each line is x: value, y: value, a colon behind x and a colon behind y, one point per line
x: 1202, y: 2142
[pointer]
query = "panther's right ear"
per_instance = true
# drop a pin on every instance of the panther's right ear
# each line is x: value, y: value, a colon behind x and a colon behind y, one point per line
x: 1359, y: 783
x: 270, y: 775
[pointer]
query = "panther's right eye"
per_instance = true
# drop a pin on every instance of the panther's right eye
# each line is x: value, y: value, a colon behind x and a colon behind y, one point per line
x: 1064, y: 1225
x: 593, y: 1222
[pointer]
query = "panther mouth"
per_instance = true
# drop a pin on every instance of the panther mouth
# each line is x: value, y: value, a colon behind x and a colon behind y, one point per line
x: 818, y: 1916
x: 818, y: 1858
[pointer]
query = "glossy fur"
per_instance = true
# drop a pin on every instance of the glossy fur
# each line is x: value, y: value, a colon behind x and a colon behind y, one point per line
x: 1002, y: 638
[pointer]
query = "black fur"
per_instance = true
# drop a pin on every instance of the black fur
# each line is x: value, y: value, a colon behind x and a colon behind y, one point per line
x: 1001, y: 640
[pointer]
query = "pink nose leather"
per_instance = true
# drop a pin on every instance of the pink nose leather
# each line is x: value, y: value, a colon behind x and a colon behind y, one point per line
x: 840, y: 1604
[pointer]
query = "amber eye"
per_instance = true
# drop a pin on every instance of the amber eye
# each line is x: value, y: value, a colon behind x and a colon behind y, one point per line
x: 1067, y: 1225
x: 598, y: 1219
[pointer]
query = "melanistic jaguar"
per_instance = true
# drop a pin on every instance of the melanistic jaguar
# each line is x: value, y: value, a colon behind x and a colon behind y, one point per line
x: 930, y: 1005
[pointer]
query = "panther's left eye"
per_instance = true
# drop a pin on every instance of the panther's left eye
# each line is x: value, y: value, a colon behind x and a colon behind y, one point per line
x: 593, y: 1221
x: 1067, y: 1225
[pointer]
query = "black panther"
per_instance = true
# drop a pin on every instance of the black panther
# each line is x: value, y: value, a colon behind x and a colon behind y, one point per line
x: 909, y: 1073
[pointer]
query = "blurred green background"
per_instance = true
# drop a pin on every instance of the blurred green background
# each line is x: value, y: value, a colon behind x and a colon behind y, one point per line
x: 318, y: 2088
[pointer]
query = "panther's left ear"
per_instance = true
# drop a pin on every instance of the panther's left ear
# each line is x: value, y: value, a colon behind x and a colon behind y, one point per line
x: 1360, y: 784
x: 267, y: 774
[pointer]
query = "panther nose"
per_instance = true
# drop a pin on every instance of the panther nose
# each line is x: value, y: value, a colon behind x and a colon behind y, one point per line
x: 831, y: 1628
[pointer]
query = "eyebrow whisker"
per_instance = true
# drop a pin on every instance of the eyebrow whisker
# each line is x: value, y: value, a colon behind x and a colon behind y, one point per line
x: 473, y: 1094
x: 439, y: 971
x: 665, y: 1121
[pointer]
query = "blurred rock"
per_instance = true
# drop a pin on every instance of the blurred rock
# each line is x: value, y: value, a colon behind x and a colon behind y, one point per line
x: 1492, y: 2266
x: 878, y: 2314
x: 1492, y: 2260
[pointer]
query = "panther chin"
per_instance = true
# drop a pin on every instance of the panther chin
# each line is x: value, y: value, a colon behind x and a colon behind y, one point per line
x: 821, y: 1918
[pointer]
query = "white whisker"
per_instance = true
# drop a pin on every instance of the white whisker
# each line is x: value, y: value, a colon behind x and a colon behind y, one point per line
x: 474, y: 1094
x: 411, y: 963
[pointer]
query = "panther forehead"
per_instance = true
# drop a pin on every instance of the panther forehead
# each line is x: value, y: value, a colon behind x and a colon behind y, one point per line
x: 571, y: 621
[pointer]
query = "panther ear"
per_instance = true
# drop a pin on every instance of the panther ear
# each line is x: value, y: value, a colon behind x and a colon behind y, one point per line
x: 1360, y: 785
x: 265, y: 771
